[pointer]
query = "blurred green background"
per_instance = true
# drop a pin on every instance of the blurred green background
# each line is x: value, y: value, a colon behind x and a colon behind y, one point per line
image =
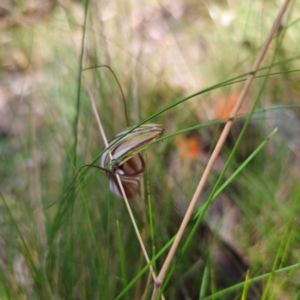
x: 84, y: 247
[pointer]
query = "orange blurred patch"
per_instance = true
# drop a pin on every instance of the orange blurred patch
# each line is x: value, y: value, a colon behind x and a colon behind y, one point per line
x: 225, y: 107
x: 188, y: 147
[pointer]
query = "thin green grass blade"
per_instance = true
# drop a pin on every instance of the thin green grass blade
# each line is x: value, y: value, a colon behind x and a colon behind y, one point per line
x: 246, y: 287
x: 281, y: 252
x: 79, y: 86
x: 38, y: 275
x: 240, y: 285
x: 205, y: 281
x: 287, y: 250
x: 122, y: 258
x: 151, y: 217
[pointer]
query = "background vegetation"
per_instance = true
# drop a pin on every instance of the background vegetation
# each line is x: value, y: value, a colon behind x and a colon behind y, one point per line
x: 84, y: 247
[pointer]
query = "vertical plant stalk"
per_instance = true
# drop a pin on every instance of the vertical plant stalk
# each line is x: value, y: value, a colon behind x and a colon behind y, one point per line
x: 220, y: 143
x: 121, y: 188
x: 35, y: 182
x: 76, y: 120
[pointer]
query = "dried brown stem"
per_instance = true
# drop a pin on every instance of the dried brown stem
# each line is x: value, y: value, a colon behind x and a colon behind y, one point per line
x: 121, y: 187
x: 220, y: 143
